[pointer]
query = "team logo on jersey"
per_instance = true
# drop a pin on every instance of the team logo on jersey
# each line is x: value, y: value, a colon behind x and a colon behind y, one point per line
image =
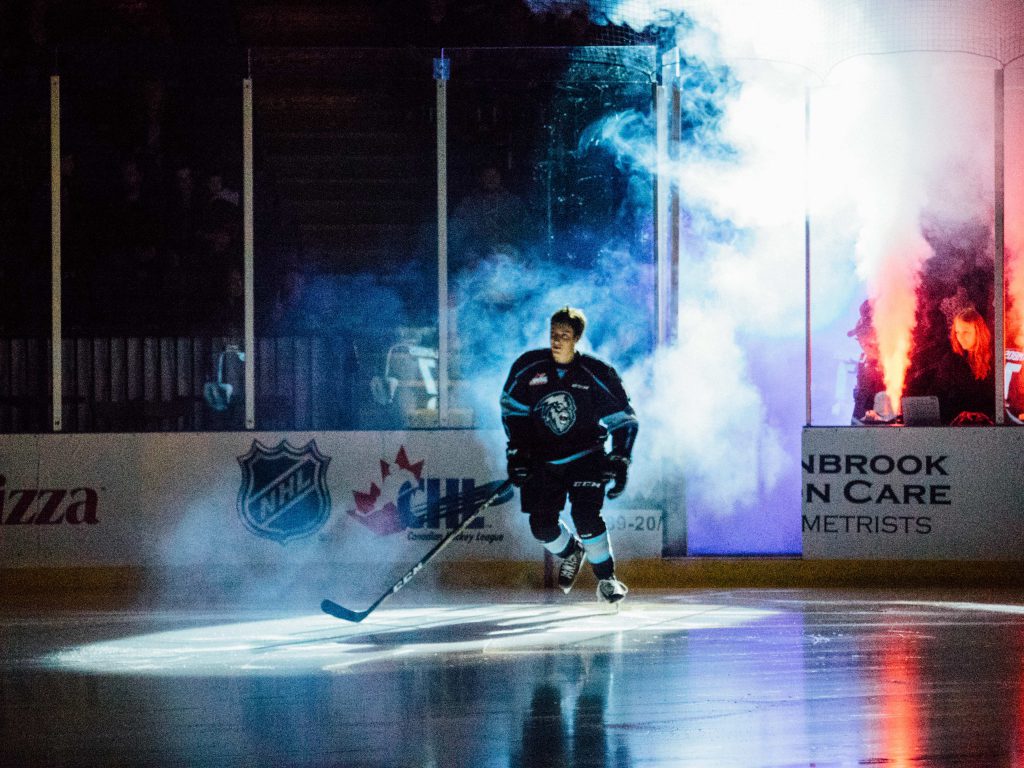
x: 284, y: 495
x: 540, y: 378
x: 558, y: 411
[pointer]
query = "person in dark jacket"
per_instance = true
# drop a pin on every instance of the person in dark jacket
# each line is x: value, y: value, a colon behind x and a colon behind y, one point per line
x: 966, y: 382
x: 558, y: 407
x: 870, y: 378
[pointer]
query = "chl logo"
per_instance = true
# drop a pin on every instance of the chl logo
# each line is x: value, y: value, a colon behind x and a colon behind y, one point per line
x: 558, y: 411
x: 284, y: 495
x: 406, y: 498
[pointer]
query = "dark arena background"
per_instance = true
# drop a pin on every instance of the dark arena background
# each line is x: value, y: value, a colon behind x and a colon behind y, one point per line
x: 265, y: 266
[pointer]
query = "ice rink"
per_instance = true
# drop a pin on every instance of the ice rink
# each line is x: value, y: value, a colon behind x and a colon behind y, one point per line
x: 702, y: 677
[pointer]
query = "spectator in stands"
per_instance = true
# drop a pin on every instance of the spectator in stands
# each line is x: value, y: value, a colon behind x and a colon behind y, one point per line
x: 219, y: 229
x: 133, y: 216
x: 124, y: 276
x: 490, y: 219
x: 290, y: 314
x: 219, y: 252
x: 229, y: 312
x: 216, y: 190
x: 219, y: 213
x: 181, y: 209
x: 870, y: 380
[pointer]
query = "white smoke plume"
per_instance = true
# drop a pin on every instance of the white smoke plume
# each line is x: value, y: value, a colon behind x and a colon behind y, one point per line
x: 900, y: 155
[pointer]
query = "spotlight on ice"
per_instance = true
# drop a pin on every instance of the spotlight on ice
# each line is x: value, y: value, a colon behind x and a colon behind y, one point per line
x: 302, y: 645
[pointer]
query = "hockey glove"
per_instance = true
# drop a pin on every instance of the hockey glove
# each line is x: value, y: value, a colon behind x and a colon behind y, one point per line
x: 520, y: 466
x: 616, y: 471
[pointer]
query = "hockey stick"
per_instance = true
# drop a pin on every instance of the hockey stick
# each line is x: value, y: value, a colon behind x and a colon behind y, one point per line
x: 341, y: 612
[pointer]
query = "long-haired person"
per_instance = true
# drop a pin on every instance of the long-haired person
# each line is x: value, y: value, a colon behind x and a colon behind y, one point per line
x: 967, y: 379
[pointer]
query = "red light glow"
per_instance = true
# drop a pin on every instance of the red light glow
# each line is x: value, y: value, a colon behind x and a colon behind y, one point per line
x: 901, y: 723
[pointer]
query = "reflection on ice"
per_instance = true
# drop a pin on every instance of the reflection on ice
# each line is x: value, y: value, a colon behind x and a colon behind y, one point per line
x: 724, y: 678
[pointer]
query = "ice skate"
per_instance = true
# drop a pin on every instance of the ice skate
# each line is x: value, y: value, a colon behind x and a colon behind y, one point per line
x: 611, y: 591
x: 571, y: 566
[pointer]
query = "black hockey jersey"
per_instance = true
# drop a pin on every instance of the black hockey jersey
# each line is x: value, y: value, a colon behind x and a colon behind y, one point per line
x: 561, y: 412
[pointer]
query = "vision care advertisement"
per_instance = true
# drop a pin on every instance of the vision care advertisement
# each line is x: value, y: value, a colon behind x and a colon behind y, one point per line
x: 191, y: 499
x: 938, y: 493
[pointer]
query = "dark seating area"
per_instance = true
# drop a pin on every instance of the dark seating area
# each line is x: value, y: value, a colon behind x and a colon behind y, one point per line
x: 345, y: 184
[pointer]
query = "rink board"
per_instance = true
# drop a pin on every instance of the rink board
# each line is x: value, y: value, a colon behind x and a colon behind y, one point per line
x: 302, y: 499
x: 904, y: 493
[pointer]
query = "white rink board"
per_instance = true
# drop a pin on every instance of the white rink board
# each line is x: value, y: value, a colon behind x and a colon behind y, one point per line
x: 178, y: 499
x: 898, y: 493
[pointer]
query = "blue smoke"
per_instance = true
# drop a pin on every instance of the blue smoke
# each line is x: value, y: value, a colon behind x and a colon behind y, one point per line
x: 504, y: 308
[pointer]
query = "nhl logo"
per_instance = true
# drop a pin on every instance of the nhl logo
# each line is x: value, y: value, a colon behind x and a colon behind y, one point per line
x: 558, y: 411
x: 284, y: 495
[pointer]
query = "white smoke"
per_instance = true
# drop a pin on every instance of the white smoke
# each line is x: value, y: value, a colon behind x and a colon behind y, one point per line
x: 701, y: 406
x: 899, y: 144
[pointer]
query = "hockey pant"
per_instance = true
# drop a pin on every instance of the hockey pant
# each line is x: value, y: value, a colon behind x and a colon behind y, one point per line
x: 543, y: 498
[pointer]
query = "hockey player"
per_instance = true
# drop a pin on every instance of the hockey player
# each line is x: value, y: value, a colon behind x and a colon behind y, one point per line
x: 558, y: 407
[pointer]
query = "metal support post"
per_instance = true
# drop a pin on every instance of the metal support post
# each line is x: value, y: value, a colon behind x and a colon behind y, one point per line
x: 999, y: 292
x: 808, y: 416
x: 247, y: 237
x: 662, y: 183
x: 57, y: 364
x: 442, y: 72
x: 675, y: 214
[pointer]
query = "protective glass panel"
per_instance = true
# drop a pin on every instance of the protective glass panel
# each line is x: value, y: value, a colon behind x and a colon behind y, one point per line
x: 346, y: 236
x: 902, y: 234
x: 551, y: 202
x: 1014, y: 213
x: 152, y: 237
x: 24, y: 250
